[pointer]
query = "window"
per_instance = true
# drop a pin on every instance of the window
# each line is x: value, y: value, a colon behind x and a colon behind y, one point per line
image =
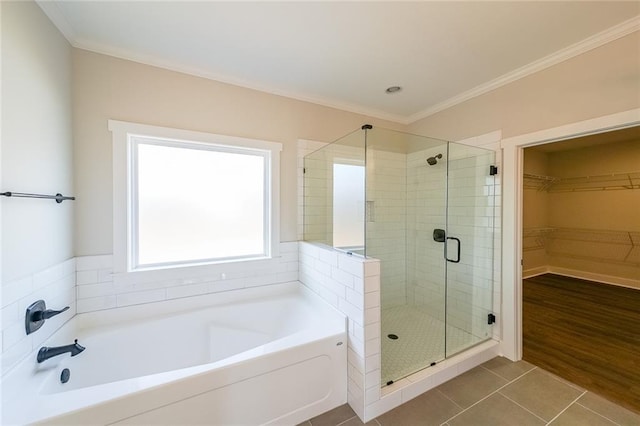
x: 348, y: 206
x: 191, y: 198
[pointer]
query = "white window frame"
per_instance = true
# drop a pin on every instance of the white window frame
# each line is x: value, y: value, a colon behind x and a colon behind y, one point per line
x: 126, y: 137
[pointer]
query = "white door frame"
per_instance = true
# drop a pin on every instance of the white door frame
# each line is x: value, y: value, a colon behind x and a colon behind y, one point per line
x: 512, y: 169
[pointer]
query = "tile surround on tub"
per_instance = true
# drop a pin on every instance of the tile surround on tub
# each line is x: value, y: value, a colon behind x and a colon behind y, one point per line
x: 98, y: 288
x: 352, y: 285
x: 56, y: 286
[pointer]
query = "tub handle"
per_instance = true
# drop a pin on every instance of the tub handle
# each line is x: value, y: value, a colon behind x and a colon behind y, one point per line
x: 37, y: 313
x: 45, y: 315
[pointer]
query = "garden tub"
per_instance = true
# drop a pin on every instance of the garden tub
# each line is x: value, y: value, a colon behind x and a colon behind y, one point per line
x: 266, y: 355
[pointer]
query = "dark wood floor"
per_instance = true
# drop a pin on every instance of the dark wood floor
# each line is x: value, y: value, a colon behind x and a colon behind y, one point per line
x: 585, y: 332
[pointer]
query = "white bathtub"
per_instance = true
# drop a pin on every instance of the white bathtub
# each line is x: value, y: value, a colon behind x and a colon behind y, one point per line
x: 267, y: 355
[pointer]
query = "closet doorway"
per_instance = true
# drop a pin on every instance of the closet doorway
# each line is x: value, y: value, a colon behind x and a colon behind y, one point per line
x: 581, y: 262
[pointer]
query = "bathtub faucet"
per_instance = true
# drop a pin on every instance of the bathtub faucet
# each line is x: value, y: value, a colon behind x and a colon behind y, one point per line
x: 45, y: 352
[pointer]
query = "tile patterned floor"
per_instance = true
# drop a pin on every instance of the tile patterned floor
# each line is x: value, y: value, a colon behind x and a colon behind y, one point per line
x: 499, y: 392
x: 421, y: 341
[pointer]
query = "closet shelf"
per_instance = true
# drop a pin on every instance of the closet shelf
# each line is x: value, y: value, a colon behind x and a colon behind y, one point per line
x: 613, y: 181
x: 534, y: 232
x: 608, y: 182
x: 601, y: 245
x: 535, y: 238
x: 539, y: 182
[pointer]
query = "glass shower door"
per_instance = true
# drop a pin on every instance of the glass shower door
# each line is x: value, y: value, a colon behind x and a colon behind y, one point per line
x: 469, y: 246
x: 405, y: 200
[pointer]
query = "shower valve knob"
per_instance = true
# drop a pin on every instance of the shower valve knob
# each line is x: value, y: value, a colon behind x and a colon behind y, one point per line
x: 37, y: 313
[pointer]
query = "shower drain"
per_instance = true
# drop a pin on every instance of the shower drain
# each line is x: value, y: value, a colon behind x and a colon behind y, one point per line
x: 392, y: 336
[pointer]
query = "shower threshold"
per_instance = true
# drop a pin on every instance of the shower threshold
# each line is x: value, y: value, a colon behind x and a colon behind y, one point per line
x: 413, y: 340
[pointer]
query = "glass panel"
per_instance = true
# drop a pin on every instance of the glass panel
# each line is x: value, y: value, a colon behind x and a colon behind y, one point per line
x: 425, y: 199
x: 470, y: 239
x: 198, y: 204
x: 330, y: 214
x: 406, y: 202
x: 348, y: 207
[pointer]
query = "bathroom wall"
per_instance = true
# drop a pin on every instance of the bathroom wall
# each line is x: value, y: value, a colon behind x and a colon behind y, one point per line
x: 37, y: 157
x: 105, y: 88
x: 36, y: 141
x: 110, y: 88
x: 601, y: 81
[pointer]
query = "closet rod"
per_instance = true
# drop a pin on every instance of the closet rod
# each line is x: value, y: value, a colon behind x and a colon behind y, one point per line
x: 58, y: 197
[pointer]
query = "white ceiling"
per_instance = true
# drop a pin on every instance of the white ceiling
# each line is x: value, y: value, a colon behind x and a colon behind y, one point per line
x: 345, y: 54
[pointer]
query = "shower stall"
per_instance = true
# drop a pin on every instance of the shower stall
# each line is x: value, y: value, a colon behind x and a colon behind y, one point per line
x: 426, y: 208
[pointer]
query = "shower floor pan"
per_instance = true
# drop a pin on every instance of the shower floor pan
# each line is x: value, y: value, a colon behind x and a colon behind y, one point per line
x: 420, y: 341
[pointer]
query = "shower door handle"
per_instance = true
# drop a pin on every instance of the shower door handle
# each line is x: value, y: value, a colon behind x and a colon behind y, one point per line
x: 446, y: 246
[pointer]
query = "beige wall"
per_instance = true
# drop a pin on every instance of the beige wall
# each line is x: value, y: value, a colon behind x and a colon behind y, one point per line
x: 602, y: 81
x: 591, y: 228
x: 599, y: 82
x: 614, y: 210
x: 610, y: 210
x: 36, y: 141
x: 110, y: 88
x: 534, y: 214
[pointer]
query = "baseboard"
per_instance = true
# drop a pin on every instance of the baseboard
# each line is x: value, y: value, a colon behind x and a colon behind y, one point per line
x: 591, y: 276
x: 534, y: 272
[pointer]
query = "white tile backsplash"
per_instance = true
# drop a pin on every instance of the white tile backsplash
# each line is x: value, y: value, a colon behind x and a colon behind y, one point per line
x: 95, y: 290
x: 141, y: 297
x: 97, y: 303
x: 16, y: 290
x: 87, y: 284
x: 87, y: 277
x: 98, y: 288
x: 54, y: 285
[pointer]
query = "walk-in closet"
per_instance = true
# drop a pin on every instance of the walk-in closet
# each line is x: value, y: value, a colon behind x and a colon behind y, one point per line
x: 581, y: 262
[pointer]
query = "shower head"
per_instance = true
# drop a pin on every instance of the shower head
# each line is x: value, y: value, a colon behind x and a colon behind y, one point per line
x: 434, y: 160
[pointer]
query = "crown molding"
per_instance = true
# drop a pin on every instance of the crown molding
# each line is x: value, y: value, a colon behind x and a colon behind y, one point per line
x: 627, y: 27
x: 56, y: 16
x: 590, y: 43
x: 53, y: 12
x: 226, y: 79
